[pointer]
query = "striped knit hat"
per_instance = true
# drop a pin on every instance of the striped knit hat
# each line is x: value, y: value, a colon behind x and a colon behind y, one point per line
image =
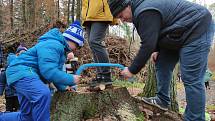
x: 75, y: 33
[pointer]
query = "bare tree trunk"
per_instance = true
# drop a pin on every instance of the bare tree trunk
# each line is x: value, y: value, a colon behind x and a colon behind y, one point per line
x: 11, y: 14
x: 24, y: 21
x: 68, y: 9
x: 73, y: 11
x: 1, y: 17
x: 78, y: 10
x: 58, y: 9
x: 31, y: 14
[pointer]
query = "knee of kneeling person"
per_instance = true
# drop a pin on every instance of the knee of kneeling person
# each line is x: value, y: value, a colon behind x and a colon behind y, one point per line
x: 45, y: 94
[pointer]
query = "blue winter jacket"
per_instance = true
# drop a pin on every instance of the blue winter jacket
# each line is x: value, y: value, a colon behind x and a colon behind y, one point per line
x: 9, y: 91
x: 45, y: 60
x: 3, y: 85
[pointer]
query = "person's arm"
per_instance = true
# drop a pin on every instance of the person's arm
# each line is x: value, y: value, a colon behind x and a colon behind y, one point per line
x: 148, y: 27
x: 48, y: 60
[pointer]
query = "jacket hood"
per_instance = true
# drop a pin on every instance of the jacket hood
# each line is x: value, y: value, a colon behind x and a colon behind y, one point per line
x: 54, y: 35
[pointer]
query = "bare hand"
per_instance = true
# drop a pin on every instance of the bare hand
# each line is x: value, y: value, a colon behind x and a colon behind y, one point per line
x: 70, y: 56
x: 70, y: 89
x: 154, y: 57
x: 76, y: 79
x: 126, y: 73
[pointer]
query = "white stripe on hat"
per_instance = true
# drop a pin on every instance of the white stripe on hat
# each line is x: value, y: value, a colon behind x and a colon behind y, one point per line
x: 80, y: 43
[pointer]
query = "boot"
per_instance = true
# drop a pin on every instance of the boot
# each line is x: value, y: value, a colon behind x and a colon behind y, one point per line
x: 106, y: 79
x: 95, y: 81
x: 102, y: 78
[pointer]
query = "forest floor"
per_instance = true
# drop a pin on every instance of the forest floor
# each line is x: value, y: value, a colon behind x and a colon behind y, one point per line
x: 210, y: 97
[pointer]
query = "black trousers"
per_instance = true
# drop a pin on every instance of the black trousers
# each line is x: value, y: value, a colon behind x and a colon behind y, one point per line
x: 12, y: 104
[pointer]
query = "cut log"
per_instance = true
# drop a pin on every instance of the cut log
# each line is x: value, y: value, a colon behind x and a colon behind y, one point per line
x: 115, y: 104
x: 108, y: 105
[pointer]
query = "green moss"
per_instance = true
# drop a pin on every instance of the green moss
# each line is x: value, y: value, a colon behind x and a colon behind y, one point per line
x: 90, y: 111
x: 128, y: 84
x: 140, y: 117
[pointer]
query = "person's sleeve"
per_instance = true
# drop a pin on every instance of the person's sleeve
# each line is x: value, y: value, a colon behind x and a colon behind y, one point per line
x: 48, y: 60
x: 148, y: 27
x: 10, y: 58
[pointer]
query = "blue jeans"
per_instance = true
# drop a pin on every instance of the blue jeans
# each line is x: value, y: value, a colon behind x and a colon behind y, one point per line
x: 193, y: 59
x: 34, y: 98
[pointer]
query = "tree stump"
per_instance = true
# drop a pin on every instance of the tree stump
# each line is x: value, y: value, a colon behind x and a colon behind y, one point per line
x: 109, y: 105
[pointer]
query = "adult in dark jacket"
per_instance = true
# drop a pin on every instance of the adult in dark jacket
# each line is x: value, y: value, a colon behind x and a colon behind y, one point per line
x: 46, y: 60
x: 171, y: 31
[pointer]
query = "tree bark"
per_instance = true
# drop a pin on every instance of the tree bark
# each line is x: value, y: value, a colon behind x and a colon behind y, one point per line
x: 78, y: 9
x: 173, y: 90
x: 24, y: 14
x: 115, y: 104
x: 73, y: 11
x: 1, y: 16
x: 68, y: 14
x: 108, y: 105
x: 31, y: 14
x: 150, y: 84
x: 58, y: 9
x: 11, y: 14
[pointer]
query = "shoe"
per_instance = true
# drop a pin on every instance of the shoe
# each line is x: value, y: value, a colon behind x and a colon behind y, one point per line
x: 94, y: 82
x: 154, y: 101
x: 102, y: 78
x: 106, y: 80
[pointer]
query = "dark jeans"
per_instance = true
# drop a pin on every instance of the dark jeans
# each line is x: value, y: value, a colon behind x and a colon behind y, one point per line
x: 96, y: 32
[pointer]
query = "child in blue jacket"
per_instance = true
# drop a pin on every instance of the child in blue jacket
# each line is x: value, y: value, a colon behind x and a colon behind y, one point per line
x: 12, y: 103
x: 45, y: 60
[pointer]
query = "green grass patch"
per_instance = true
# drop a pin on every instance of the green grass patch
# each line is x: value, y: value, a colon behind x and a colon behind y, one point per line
x: 125, y: 83
x: 140, y: 117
